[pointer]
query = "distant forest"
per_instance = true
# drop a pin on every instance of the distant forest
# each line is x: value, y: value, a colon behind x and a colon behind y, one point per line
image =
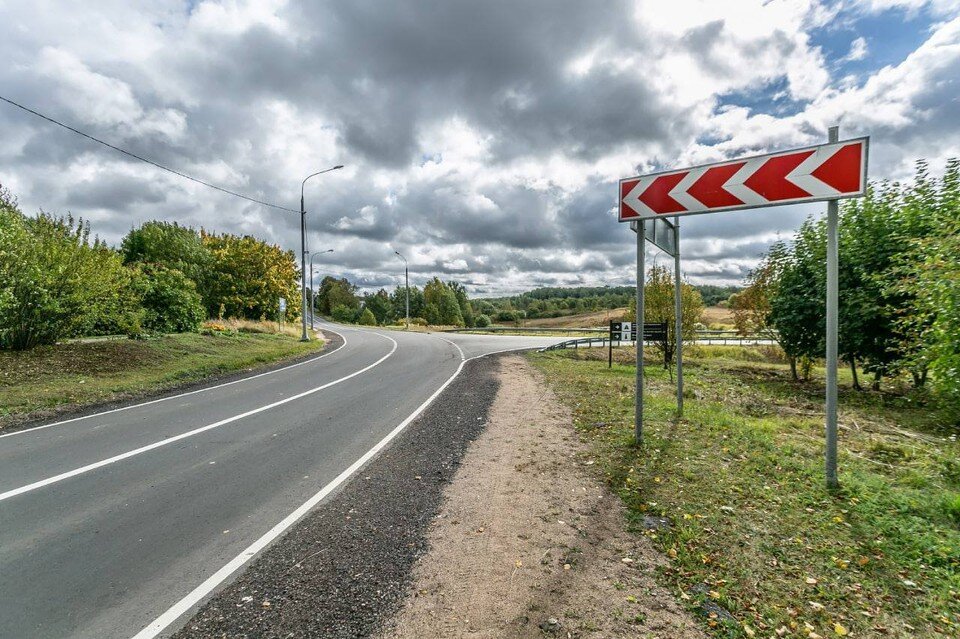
x: 557, y: 302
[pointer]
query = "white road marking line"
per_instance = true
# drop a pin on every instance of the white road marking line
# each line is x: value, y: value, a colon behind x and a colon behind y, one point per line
x: 163, y: 399
x: 196, y: 595
x: 143, y: 449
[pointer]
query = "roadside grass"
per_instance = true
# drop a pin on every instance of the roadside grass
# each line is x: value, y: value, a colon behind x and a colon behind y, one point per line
x: 40, y: 381
x: 752, y: 527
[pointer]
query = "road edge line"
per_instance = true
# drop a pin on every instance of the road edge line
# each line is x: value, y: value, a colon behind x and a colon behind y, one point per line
x: 197, y: 595
x: 13, y: 492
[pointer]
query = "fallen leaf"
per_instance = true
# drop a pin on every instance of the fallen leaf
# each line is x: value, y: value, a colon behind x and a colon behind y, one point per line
x: 840, y: 630
x: 811, y: 581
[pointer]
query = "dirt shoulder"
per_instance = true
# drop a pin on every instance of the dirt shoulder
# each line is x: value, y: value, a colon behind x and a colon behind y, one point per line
x: 527, y: 542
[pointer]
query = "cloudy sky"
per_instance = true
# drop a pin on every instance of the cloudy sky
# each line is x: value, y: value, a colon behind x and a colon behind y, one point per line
x: 482, y: 138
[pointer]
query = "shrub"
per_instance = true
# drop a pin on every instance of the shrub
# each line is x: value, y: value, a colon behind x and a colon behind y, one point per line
x: 418, y: 321
x: 367, y: 318
x: 54, y: 281
x: 170, y: 300
x: 507, y: 316
x: 343, y: 313
x: 482, y: 321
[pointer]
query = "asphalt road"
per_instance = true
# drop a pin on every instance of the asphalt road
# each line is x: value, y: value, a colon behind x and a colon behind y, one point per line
x: 120, y: 523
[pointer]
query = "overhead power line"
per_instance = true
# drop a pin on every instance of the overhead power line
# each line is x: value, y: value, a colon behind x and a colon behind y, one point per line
x: 143, y: 159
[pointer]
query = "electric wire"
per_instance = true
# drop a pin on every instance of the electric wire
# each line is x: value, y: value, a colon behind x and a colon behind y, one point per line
x: 143, y: 159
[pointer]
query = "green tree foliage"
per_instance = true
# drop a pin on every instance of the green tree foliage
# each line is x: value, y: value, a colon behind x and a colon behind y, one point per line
x: 398, y: 300
x: 248, y: 277
x: 466, y: 309
x: 431, y: 313
x: 170, y: 300
x: 482, y: 321
x: 560, y: 301
x: 169, y: 244
x: 335, y: 292
x: 367, y: 318
x: 659, y: 306
x: 798, y: 308
x: 54, y: 280
x: 885, y: 241
x: 343, y: 313
x: 927, y: 274
x: 441, y: 304
x: 380, y: 306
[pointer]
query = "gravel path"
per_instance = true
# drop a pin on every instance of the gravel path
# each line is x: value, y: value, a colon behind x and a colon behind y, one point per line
x: 345, y: 568
x: 530, y: 543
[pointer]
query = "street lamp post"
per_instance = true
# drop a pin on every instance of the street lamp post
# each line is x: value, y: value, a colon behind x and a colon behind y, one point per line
x: 303, y: 253
x: 313, y: 291
x: 406, y: 277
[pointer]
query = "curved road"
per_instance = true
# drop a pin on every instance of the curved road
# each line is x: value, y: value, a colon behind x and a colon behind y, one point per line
x: 116, y: 524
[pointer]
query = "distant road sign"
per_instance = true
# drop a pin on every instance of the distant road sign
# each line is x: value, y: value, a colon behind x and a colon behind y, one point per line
x: 283, y: 305
x: 627, y: 331
x: 811, y: 174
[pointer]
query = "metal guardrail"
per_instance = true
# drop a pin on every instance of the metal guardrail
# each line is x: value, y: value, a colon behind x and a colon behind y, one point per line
x: 593, y: 342
x: 524, y: 329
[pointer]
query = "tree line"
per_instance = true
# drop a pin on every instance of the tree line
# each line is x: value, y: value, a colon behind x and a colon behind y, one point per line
x: 57, y: 282
x: 560, y: 301
x: 899, y: 277
x: 438, y: 303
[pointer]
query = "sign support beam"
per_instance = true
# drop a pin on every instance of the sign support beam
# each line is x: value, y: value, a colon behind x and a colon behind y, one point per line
x: 832, y: 330
x: 638, y: 407
x: 678, y: 312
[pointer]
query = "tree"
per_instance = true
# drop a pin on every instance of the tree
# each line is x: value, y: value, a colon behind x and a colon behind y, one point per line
x: 170, y: 300
x: 367, y: 318
x: 798, y: 309
x: 431, y: 313
x: 466, y: 309
x: 54, y: 280
x: 335, y: 292
x: 398, y: 299
x: 752, y: 306
x: 659, y: 306
x: 169, y: 244
x: 444, y: 299
x: 928, y: 274
x: 379, y: 304
x: 343, y: 313
x: 249, y: 276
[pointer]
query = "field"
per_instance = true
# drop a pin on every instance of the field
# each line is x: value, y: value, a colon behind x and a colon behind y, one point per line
x: 48, y: 379
x: 717, y: 318
x: 755, y: 541
x: 713, y: 317
x: 581, y: 320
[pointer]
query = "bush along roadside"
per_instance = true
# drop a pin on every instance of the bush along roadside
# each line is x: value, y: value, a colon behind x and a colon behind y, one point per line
x: 734, y: 495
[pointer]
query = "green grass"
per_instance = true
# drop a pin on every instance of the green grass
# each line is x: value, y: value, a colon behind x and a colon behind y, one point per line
x: 741, y: 480
x: 77, y: 373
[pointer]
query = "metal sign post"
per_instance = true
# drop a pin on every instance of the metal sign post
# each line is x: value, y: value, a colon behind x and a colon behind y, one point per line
x: 832, y: 330
x: 678, y: 312
x: 638, y: 405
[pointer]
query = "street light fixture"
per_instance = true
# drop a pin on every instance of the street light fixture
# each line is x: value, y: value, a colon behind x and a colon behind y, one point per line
x: 313, y: 291
x: 406, y: 277
x: 303, y: 253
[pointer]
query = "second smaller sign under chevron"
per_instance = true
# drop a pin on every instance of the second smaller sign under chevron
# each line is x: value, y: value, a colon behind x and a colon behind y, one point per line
x: 823, y: 172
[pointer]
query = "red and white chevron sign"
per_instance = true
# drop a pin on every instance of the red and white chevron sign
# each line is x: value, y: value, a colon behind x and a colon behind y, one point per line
x: 823, y: 172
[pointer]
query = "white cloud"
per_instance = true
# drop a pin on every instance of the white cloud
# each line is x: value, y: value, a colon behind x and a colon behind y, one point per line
x: 858, y: 49
x: 488, y: 153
